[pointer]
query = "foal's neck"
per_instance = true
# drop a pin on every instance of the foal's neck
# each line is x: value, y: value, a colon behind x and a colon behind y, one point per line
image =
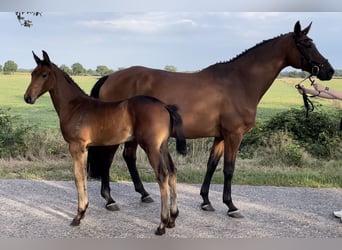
x: 66, y: 94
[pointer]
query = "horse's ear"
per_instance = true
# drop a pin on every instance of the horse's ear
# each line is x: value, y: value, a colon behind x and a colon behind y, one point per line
x: 46, y: 57
x: 36, y: 58
x: 297, y: 29
x: 307, y: 29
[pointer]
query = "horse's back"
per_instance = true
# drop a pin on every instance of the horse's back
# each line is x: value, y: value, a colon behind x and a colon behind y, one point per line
x: 164, y: 85
x: 197, y: 95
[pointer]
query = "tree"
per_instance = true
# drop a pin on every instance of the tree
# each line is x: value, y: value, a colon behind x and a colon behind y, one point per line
x: 66, y: 69
x: 10, y: 67
x: 103, y: 70
x: 0, y: 68
x: 23, y: 20
x: 170, y: 68
x: 78, y: 69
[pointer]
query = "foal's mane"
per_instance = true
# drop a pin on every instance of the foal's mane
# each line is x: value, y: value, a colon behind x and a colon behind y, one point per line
x: 70, y: 80
x: 212, y: 67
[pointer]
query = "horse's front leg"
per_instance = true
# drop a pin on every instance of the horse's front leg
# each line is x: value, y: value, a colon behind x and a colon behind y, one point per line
x: 79, y: 156
x: 231, y: 146
x: 214, y: 158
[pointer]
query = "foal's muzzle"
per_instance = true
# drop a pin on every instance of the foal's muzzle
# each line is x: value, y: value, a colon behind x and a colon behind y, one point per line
x: 28, y: 99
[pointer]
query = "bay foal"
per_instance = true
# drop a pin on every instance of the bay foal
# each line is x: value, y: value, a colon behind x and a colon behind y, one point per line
x: 85, y: 121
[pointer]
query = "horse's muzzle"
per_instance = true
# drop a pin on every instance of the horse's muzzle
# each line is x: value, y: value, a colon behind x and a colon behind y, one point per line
x: 325, y: 72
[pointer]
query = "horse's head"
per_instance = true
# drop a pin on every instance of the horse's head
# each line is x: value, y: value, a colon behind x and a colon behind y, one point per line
x: 307, y: 57
x: 42, y: 79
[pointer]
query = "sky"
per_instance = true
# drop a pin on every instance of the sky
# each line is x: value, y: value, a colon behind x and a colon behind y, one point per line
x: 188, y: 40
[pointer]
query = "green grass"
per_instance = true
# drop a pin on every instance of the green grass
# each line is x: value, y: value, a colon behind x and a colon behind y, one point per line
x: 191, y: 169
x: 12, y: 89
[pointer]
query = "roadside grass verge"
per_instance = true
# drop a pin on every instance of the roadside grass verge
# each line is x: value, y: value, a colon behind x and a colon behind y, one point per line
x: 317, y: 174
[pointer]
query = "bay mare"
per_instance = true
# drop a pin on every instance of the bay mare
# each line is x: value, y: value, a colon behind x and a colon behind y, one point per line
x: 219, y: 101
x: 86, y: 121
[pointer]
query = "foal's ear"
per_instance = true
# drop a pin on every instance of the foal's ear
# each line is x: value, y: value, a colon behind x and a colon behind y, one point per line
x: 46, y: 57
x: 36, y: 58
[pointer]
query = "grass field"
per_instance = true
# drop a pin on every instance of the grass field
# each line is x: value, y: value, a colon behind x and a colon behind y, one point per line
x: 281, y: 96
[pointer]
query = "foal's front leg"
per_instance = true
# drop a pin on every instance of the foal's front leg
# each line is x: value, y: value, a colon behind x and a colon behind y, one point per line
x: 79, y: 156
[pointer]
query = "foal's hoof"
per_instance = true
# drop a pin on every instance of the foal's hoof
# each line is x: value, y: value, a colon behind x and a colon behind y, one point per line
x: 171, y: 224
x: 207, y: 207
x: 112, y: 207
x: 75, y: 223
x: 235, y: 214
x: 160, y: 231
x: 147, y: 199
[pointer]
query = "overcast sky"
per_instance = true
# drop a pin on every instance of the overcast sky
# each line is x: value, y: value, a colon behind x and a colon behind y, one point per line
x: 186, y: 40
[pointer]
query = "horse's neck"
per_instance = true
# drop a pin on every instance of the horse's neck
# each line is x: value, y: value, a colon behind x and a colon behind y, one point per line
x: 257, y: 68
x: 65, y: 95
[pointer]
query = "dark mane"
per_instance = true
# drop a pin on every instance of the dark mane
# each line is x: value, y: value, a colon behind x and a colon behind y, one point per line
x: 246, y: 51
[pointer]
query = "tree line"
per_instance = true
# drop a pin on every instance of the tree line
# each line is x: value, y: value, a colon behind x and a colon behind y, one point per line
x: 76, y: 69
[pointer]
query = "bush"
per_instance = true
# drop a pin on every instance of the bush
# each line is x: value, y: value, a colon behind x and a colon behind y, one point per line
x: 318, y: 134
x: 12, y: 138
x: 20, y: 140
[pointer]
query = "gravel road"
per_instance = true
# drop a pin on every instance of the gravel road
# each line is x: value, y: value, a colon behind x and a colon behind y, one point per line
x: 44, y: 209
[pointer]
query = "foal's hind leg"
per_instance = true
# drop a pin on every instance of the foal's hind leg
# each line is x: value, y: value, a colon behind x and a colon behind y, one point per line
x: 161, y: 172
x: 129, y: 154
x: 173, y: 192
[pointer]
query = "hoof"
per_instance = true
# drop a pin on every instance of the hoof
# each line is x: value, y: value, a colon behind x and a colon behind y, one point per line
x: 75, y: 223
x: 147, y: 199
x: 207, y: 207
x: 160, y: 231
x: 112, y: 207
x: 235, y: 214
x: 171, y: 225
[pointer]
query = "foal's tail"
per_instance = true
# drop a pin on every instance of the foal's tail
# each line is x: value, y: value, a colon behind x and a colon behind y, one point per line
x: 177, y: 126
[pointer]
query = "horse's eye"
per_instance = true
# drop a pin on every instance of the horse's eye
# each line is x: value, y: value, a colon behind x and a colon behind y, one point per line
x: 44, y: 75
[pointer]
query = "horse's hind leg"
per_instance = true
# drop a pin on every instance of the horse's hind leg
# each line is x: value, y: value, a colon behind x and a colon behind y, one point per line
x: 173, y: 192
x: 99, y: 162
x: 105, y: 178
x: 214, y: 158
x: 129, y: 154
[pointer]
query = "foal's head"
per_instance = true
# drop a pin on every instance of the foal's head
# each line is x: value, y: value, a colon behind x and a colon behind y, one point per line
x: 307, y: 57
x: 43, y: 79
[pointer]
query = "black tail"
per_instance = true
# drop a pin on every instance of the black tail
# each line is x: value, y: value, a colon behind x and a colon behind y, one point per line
x: 95, y: 91
x: 99, y: 161
x: 177, y: 126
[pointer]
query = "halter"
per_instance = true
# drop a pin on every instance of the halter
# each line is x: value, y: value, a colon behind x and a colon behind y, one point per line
x: 315, y: 66
x: 307, y: 102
